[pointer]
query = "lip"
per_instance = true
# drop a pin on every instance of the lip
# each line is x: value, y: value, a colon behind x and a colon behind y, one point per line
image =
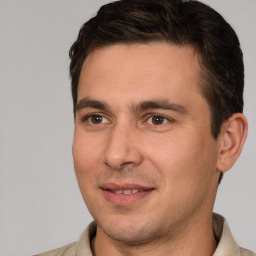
x: 125, y: 199
x: 114, y: 186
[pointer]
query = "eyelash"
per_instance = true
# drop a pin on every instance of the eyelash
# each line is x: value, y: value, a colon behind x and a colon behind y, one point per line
x: 165, y: 119
x: 85, y: 119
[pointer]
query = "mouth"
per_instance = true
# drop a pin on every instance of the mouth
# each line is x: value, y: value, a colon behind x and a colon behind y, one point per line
x: 127, y: 191
x: 125, y: 194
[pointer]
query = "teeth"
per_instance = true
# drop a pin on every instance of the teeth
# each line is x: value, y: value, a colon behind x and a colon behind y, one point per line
x: 127, y: 191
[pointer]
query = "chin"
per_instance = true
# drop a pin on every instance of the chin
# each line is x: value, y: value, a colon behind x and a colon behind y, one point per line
x: 130, y: 233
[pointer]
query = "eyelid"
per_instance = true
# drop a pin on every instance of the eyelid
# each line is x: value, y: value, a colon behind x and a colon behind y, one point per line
x: 89, y: 119
x: 165, y: 120
x: 85, y: 118
x: 148, y: 116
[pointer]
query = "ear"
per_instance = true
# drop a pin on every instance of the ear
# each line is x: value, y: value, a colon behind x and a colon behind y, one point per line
x: 232, y: 137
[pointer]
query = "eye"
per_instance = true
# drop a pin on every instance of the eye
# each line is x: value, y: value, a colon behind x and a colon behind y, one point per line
x: 157, y: 120
x: 97, y: 119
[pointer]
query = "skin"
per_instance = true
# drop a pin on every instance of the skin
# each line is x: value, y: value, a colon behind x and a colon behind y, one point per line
x: 167, y: 147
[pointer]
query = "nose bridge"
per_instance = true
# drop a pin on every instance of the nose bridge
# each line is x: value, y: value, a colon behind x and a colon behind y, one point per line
x: 122, y: 149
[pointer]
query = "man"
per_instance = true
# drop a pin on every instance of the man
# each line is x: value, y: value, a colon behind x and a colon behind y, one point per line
x: 157, y: 87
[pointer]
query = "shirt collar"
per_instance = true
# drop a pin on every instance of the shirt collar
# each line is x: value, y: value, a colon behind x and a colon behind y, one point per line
x: 226, y: 245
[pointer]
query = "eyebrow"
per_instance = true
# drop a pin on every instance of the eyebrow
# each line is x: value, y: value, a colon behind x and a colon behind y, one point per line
x: 142, y: 106
x: 159, y: 104
x: 91, y: 103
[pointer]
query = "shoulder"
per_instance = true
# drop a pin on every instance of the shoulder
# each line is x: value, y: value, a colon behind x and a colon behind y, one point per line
x: 245, y: 252
x: 80, y: 248
x: 67, y: 250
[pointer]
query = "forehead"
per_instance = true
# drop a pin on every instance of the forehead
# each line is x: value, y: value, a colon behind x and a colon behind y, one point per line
x: 139, y: 69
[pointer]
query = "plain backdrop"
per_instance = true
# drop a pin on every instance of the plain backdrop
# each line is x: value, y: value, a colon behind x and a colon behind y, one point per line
x: 40, y: 204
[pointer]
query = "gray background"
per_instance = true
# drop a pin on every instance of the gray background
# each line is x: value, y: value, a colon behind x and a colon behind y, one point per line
x: 41, y: 206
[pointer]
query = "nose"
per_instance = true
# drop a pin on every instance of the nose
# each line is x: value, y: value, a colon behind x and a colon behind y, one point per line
x: 123, y: 148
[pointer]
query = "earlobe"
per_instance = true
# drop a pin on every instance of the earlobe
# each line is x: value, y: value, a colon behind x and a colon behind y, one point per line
x: 233, y: 136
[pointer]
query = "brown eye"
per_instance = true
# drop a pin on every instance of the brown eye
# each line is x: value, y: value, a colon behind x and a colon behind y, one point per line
x: 97, y: 119
x: 157, y: 120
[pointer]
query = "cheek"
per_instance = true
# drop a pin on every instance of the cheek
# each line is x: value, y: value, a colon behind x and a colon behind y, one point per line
x: 182, y: 159
x: 85, y: 148
x: 86, y: 155
x: 187, y: 167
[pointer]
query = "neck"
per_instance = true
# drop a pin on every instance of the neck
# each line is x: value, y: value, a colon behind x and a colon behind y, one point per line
x: 188, y: 239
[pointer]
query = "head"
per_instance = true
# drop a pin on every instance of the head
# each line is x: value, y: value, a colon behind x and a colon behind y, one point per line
x: 176, y: 22
x: 194, y: 33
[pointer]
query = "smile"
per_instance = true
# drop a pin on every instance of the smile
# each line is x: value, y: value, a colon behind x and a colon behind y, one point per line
x: 125, y: 194
x: 127, y: 191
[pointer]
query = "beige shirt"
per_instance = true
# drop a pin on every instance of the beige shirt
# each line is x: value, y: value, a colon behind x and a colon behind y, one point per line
x: 226, y: 246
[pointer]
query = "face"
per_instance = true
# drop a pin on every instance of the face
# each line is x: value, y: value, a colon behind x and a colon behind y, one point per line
x: 143, y: 152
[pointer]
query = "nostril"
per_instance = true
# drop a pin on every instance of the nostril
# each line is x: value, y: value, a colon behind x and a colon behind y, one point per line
x: 123, y: 165
x: 120, y: 166
x: 115, y: 166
